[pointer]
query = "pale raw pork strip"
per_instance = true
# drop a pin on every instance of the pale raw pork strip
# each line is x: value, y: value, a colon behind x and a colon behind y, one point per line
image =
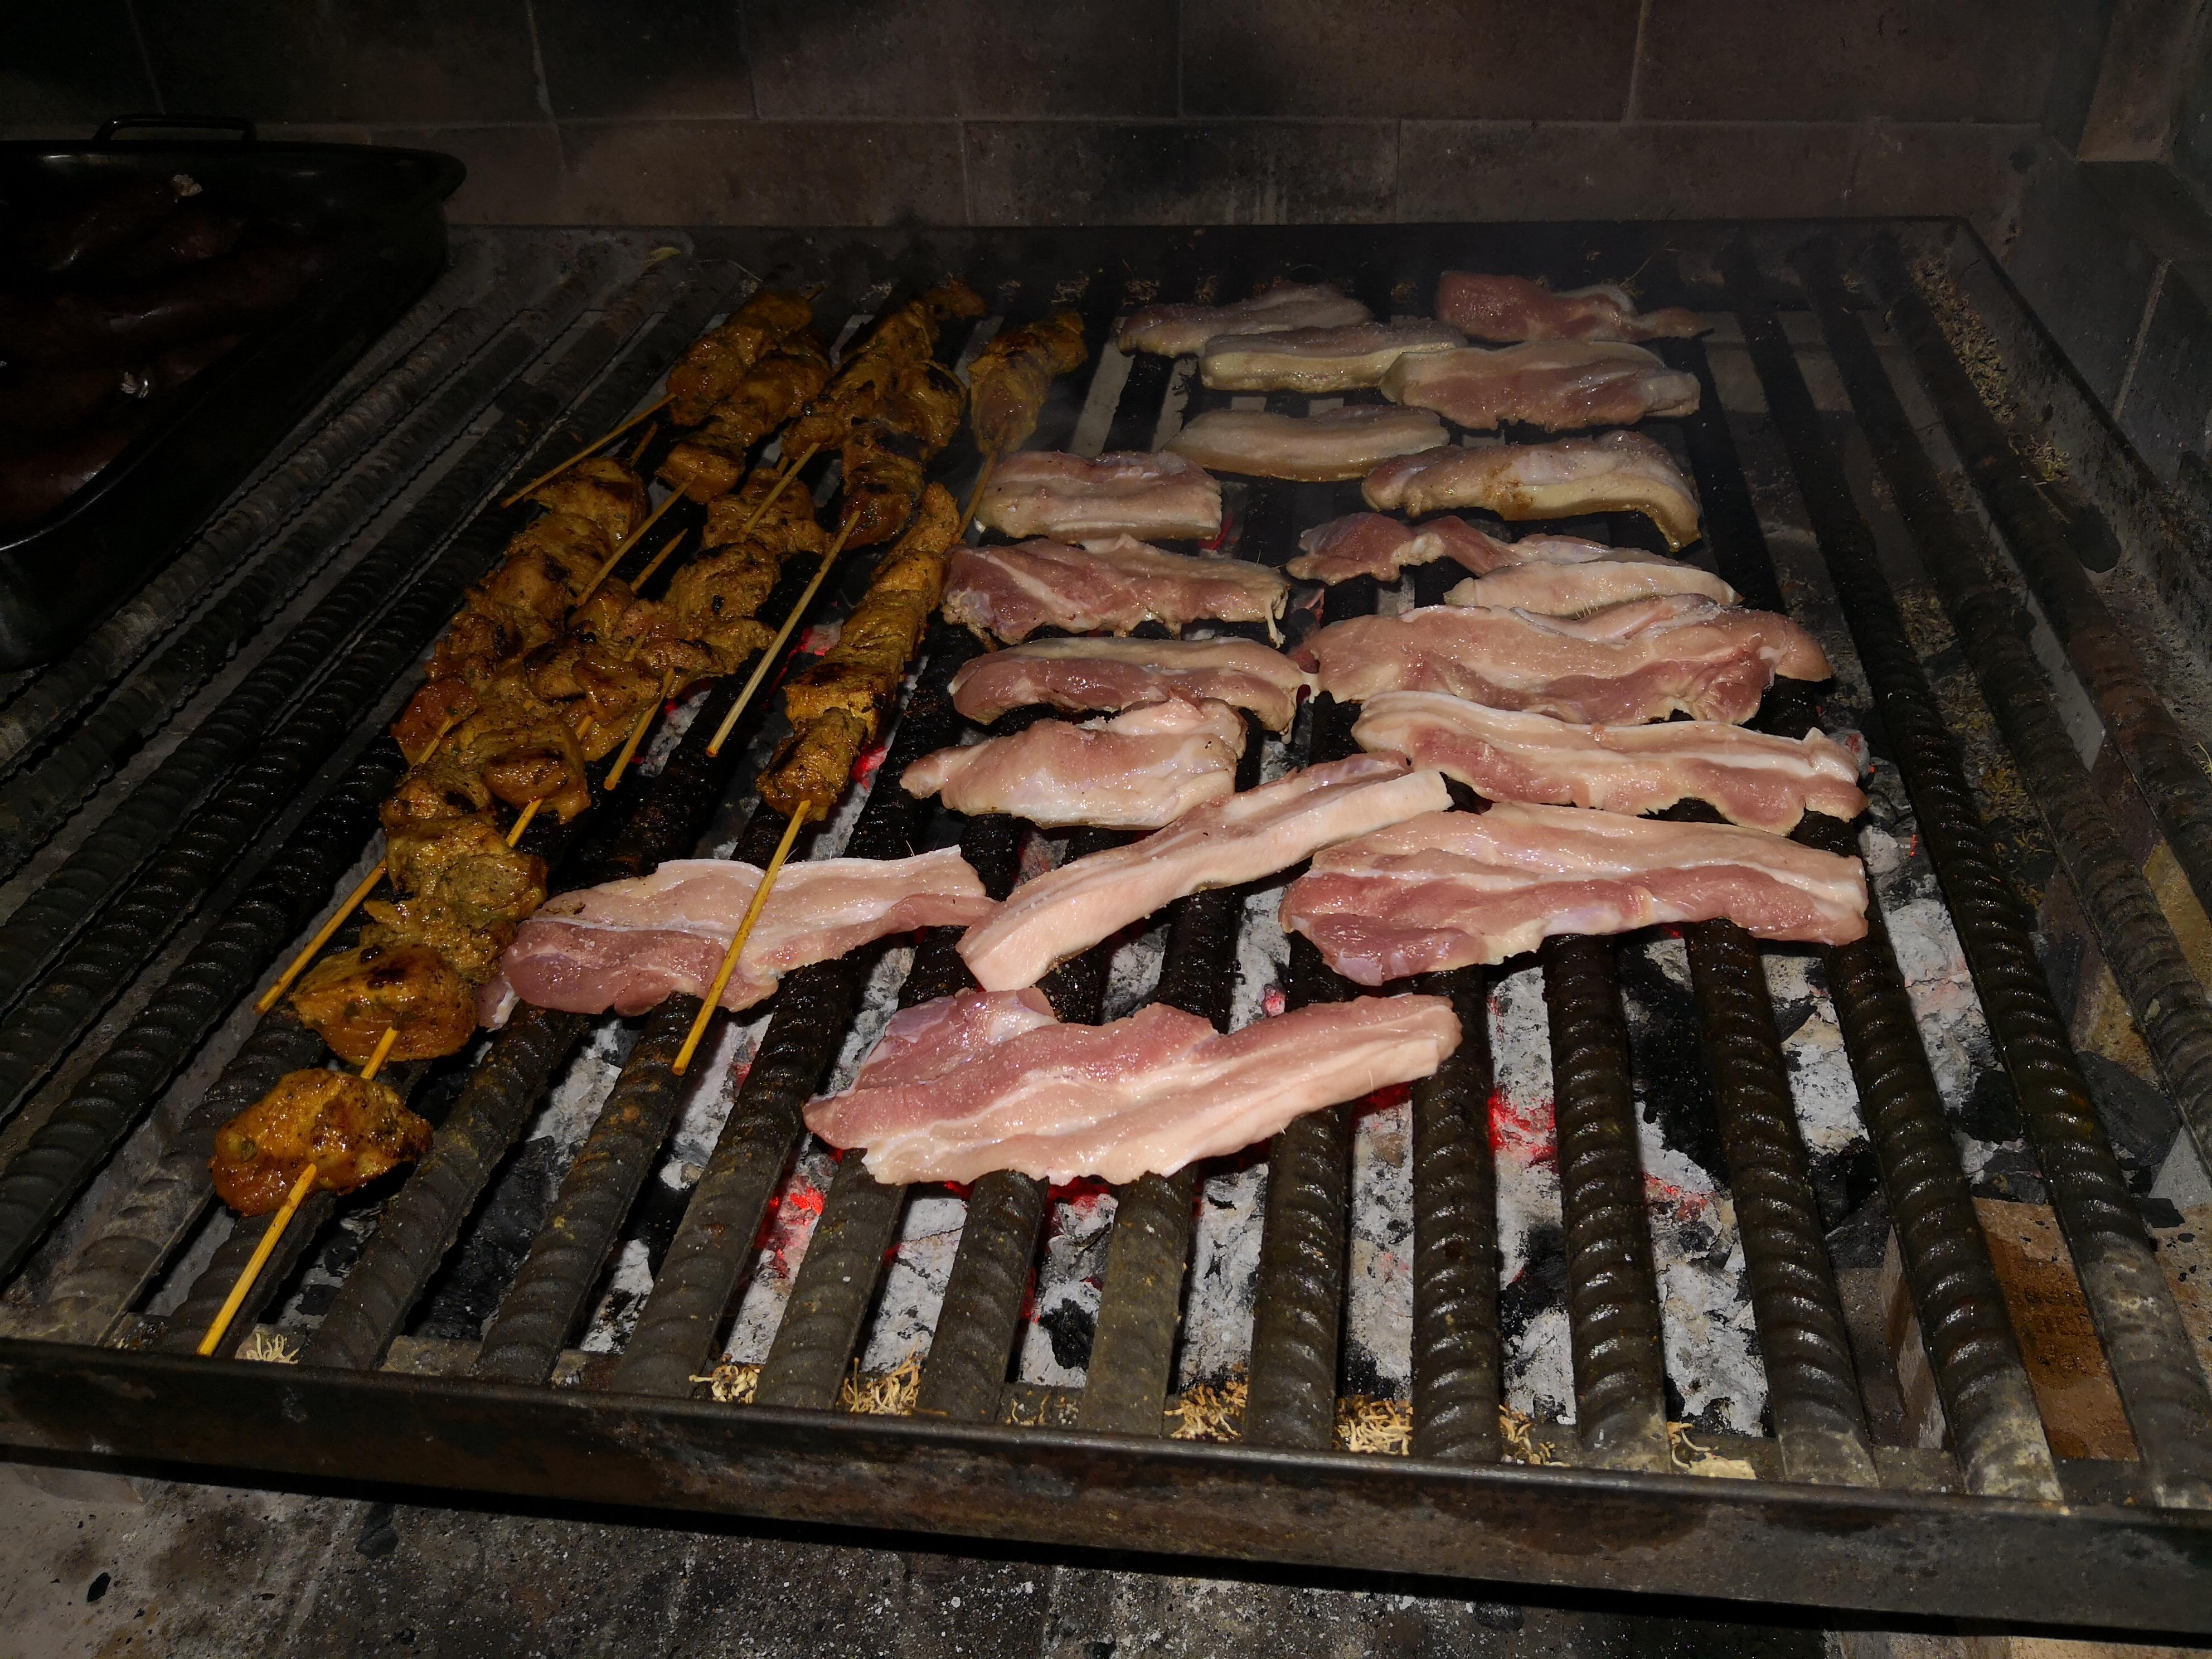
x: 1044, y: 492
x: 1373, y: 544
x: 1239, y: 840
x: 1560, y: 385
x: 1182, y: 331
x: 987, y: 1080
x: 1111, y: 586
x: 1136, y: 771
x: 1338, y: 443
x: 1316, y: 360
x: 1515, y: 308
x: 1586, y: 580
x: 1748, y: 777
x: 1621, y: 471
x: 1447, y: 890
x: 1111, y: 674
x: 1644, y: 660
x: 623, y: 946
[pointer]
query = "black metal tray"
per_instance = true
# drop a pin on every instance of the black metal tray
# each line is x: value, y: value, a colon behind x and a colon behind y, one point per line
x: 383, y: 207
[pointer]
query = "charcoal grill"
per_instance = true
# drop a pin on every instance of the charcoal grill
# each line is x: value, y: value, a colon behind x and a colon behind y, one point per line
x: 536, y: 1313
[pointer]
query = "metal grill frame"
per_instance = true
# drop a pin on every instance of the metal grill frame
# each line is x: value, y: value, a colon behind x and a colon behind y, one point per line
x: 2003, y: 1528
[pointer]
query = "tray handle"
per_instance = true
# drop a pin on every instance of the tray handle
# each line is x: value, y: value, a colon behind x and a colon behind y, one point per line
x: 237, y: 123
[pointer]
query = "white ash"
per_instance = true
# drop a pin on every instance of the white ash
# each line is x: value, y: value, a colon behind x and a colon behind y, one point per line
x: 1055, y: 1347
x: 1826, y: 1095
x: 1379, y: 1290
x: 655, y: 753
x: 785, y: 1234
x: 879, y: 1001
x: 1263, y: 955
x: 628, y: 1286
x: 914, y: 1280
x: 573, y: 1105
x: 1133, y: 972
x: 712, y: 1088
x: 1225, y: 1275
x: 1538, y: 1371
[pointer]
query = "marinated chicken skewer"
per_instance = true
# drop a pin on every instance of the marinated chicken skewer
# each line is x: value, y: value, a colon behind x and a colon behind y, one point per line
x: 1007, y: 385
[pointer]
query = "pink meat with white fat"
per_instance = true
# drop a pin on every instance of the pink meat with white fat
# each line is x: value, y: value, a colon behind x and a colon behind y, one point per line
x: 625, y: 945
x: 1182, y: 331
x: 1449, y: 889
x: 1369, y: 544
x: 1338, y: 443
x: 1108, y: 587
x: 1112, y: 674
x: 1618, y: 471
x: 1043, y: 492
x: 1140, y: 770
x: 1642, y: 660
x: 981, y: 1081
x: 1559, y: 385
x: 1318, y: 360
x: 1748, y: 777
x: 1565, y: 577
x: 1515, y: 308
x: 1255, y: 834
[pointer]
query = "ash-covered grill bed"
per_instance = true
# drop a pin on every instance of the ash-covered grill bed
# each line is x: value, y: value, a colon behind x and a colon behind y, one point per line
x: 1616, y: 1210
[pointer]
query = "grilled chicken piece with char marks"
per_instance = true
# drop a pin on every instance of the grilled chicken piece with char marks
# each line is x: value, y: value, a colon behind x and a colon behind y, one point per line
x: 351, y: 1130
x: 1011, y: 377
x: 711, y: 462
x: 351, y: 999
x: 602, y: 488
x: 717, y: 362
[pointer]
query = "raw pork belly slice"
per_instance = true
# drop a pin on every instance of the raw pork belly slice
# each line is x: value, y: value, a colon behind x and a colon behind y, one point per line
x: 1338, y: 443
x: 1621, y: 471
x: 1043, y: 492
x: 1558, y: 385
x: 1109, y: 585
x: 985, y: 1080
x: 1111, y: 674
x: 1239, y: 840
x: 1644, y: 660
x: 1588, y: 578
x: 1371, y: 545
x: 1314, y: 360
x: 1515, y: 308
x: 625, y: 945
x: 1748, y: 777
x: 1449, y: 889
x: 1182, y: 331
x: 1136, y: 771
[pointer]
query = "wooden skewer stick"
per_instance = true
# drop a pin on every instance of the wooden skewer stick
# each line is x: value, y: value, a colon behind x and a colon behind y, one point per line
x: 530, y: 808
x: 597, y: 443
x: 776, y: 645
x: 282, y: 1219
x: 637, y: 731
x: 644, y: 443
x: 982, y: 484
x: 651, y: 520
x: 782, y: 478
x: 659, y: 559
x: 737, y: 943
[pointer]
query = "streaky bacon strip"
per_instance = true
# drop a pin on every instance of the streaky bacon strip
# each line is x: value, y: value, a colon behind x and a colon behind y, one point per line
x: 625, y: 945
x: 1560, y: 385
x: 1371, y: 545
x: 1451, y: 889
x: 1337, y: 443
x: 1182, y: 331
x: 987, y: 1080
x: 1140, y: 770
x: 1642, y: 660
x: 1748, y: 777
x: 1621, y: 471
x: 1238, y: 840
x: 1515, y: 308
x: 1317, y: 360
x: 1111, y: 674
x: 1043, y: 492
x: 1114, y: 585
x: 1576, y: 586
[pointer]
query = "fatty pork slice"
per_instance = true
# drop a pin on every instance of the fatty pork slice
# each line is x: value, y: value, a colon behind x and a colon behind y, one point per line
x: 987, y: 1080
x: 1085, y: 674
x: 1447, y: 890
x: 1182, y: 331
x: 1373, y: 544
x: 1338, y: 443
x: 1140, y: 770
x: 1749, y: 778
x: 1043, y: 492
x: 1560, y: 385
x: 1317, y: 360
x: 625, y: 945
x: 1642, y: 660
x: 1241, y: 839
x: 1515, y: 308
x: 1618, y: 472
x: 1565, y: 576
x: 1113, y: 587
